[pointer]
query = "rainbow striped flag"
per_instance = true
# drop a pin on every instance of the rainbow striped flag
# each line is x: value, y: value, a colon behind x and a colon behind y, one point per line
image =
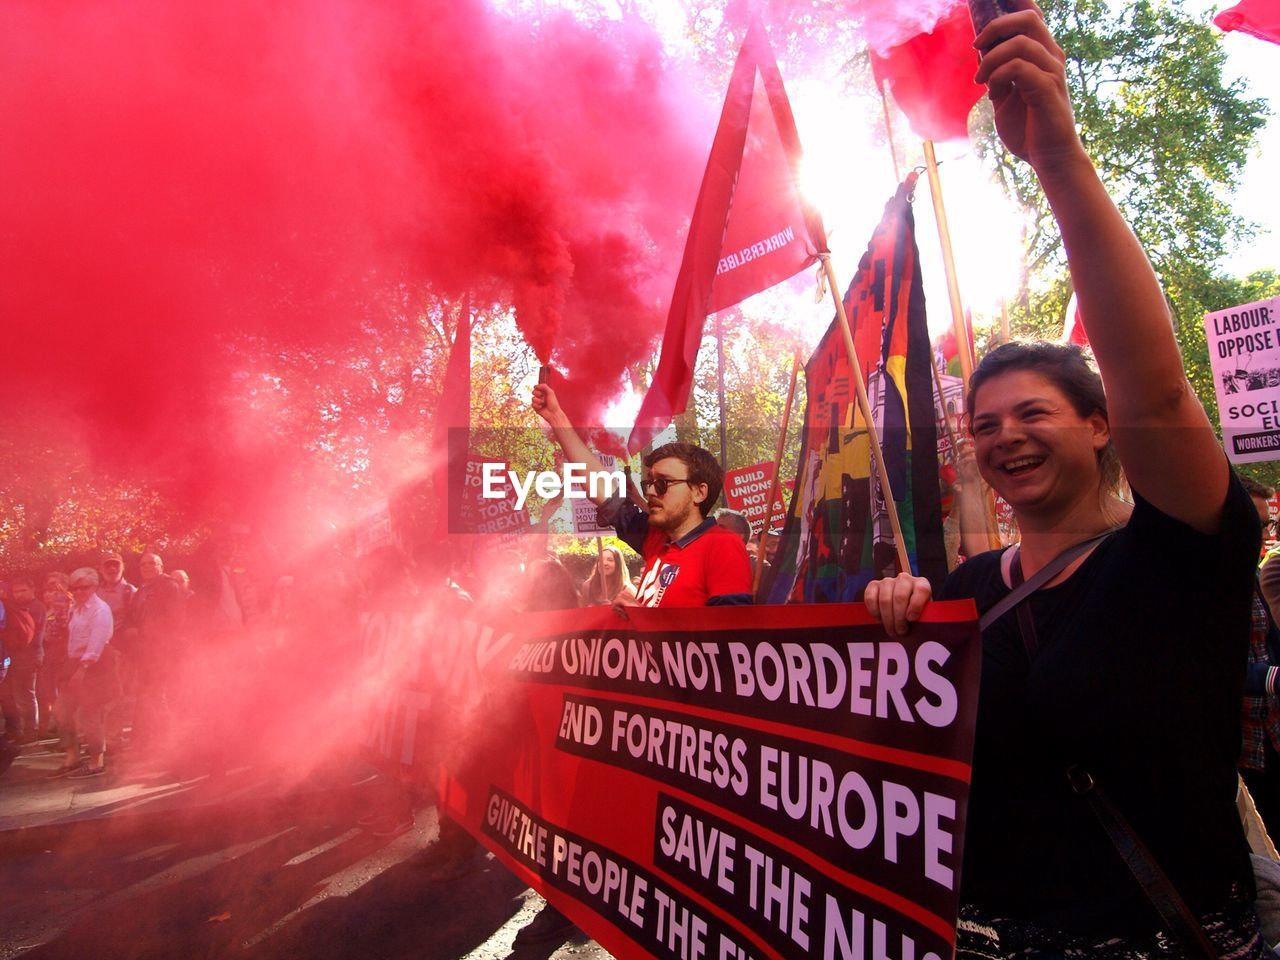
x: 837, y: 536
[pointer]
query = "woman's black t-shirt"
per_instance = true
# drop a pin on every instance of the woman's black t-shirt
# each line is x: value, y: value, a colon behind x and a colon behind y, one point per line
x: 1138, y: 679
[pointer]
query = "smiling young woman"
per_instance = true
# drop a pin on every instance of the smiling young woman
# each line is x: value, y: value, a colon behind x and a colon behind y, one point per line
x: 1121, y: 676
x: 1038, y: 417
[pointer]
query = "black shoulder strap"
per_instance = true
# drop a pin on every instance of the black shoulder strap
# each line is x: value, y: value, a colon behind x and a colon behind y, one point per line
x: 1023, y: 589
x: 1026, y: 622
x: 1177, y: 917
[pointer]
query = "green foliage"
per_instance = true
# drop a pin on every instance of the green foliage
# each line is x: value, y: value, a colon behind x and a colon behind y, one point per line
x: 343, y: 430
x: 1170, y: 137
x: 758, y: 358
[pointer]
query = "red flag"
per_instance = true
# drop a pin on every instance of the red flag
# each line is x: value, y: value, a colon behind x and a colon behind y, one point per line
x: 750, y: 229
x: 948, y: 350
x: 1260, y: 18
x: 450, y: 440
x: 932, y: 77
x: 1073, y: 330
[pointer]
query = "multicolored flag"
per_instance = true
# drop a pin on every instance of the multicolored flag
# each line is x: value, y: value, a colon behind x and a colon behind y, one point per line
x: 751, y: 227
x: 1258, y: 18
x: 837, y: 537
x: 931, y: 76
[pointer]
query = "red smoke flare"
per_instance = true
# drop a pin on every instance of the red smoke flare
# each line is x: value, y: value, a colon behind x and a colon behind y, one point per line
x: 182, y: 175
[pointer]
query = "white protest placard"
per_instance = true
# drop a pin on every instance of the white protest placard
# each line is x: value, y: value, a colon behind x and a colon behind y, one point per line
x: 496, y: 516
x: 1244, y: 351
x: 584, y: 511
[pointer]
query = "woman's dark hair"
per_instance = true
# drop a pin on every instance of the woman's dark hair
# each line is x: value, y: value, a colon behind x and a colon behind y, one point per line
x: 1067, y: 368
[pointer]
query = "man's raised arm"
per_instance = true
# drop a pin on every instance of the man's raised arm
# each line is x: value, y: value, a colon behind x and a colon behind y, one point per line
x: 575, y: 450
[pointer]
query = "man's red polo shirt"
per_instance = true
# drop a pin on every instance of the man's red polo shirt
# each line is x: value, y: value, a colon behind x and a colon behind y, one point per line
x: 708, y: 565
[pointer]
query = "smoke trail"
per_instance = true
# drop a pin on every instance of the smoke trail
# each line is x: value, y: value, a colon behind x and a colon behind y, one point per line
x: 181, y: 176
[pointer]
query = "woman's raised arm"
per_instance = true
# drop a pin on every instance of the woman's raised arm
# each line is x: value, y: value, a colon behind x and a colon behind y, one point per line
x: 1165, y: 441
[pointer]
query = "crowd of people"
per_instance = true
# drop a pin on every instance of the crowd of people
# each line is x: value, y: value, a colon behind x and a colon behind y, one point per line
x: 1102, y: 819
x: 96, y: 661
x: 1126, y: 639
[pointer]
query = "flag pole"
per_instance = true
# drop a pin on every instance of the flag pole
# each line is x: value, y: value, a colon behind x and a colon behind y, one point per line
x: 777, y: 474
x: 888, y: 132
x: 724, y: 446
x: 864, y: 407
x: 963, y: 346
x: 953, y: 288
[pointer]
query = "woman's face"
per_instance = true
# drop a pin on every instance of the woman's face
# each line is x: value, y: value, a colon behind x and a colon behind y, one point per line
x: 608, y: 563
x: 1032, y: 446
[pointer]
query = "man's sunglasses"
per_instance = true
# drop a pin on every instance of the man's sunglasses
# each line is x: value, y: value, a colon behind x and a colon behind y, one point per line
x: 660, y: 484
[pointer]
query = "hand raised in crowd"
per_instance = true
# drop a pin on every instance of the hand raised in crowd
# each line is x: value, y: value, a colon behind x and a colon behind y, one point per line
x: 1025, y: 71
x: 897, y: 602
x: 545, y: 403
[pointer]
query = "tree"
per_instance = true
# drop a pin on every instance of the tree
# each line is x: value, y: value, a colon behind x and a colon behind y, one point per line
x: 1170, y: 137
x: 758, y: 355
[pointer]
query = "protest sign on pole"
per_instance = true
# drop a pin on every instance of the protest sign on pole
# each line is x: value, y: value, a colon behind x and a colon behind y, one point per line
x: 1244, y: 352
x: 585, y: 523
x: 710, y: 782
x: 746, y: 490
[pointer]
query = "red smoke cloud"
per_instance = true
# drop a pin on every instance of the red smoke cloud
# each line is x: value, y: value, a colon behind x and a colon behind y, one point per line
x: 179, y: 175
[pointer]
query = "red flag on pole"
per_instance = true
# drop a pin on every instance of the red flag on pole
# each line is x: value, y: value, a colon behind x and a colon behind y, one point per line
x: 1073, y: 330
x: 450, y: 440
x: 751, y: 228
x: 931, y: 76
x: 1259, y: 18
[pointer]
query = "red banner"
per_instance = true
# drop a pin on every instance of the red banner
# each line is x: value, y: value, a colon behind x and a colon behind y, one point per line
x: 751, y: 228
x: 747, y: 491
x: 1073, y: 330
x: 720, y: 783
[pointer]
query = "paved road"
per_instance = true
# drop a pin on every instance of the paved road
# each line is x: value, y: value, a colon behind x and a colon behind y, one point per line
x: 253, y: 881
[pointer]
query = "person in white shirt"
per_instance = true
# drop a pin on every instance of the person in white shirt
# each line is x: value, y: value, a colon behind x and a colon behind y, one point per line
x: 88, y: 680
